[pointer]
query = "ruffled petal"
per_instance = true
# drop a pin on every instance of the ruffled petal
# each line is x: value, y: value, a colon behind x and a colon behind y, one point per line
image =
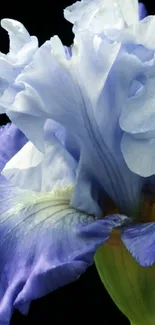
x: 11, y: 141
x: 83, y: 109
x: 102, y: 16
x: 22, y: 48
x: 142, y: 10
x: 44, y: 244
x: 140, y: 242
x: 95, y: 16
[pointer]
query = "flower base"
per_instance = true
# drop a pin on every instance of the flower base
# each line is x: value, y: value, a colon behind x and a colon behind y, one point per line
x: 131, y: 286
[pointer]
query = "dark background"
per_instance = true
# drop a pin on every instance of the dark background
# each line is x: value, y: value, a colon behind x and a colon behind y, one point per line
x: 85, y: 300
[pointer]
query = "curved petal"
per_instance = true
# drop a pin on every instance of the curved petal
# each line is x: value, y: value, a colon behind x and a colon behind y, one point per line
x: 142, y: 10
x: 30, y: 169
x: 137, y: 120
x: 30, y: 126
x: 44, y: 244
x: 139, y: 154
x: 22, y: 49
x: 83, y: 109
x: 140, y: 242
x: 18, y: 34
x: 138, y: 114
x: 11, y: 141
x: 22, y: 45
x: 141, y: 33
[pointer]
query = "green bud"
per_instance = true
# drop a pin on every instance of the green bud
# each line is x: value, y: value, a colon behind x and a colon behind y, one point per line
x: 131, y: 286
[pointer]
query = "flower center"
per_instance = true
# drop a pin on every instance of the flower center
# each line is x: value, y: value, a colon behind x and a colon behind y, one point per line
x: 115, y: 239
x: 146, y: 215
x: 147, y: 209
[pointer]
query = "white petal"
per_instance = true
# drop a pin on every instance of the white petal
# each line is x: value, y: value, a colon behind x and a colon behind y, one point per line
x: 97, y: 15
x: 129, y: 9
x: 30, y: 169
x: 18, y: 34
x: 139, y: 154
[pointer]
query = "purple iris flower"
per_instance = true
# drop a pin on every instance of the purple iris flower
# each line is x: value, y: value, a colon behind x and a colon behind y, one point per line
x: 82, y: 134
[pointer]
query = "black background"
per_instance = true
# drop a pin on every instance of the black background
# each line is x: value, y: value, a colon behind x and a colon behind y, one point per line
x: 85, y: 300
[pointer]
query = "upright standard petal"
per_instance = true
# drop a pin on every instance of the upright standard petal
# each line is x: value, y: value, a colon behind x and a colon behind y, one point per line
x: 97, y: 16
x: 129, y: 9
x: 84, y: 109
x: 22, y: 49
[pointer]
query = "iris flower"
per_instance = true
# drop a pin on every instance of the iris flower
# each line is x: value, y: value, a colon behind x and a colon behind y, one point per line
x: 77, y: 161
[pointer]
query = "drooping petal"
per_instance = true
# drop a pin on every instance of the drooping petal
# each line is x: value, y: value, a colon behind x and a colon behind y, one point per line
x: 11, y: 141
x: 44, y: 244
x: 140, y: 241
x: 142, y: 10
x: 22, y: 48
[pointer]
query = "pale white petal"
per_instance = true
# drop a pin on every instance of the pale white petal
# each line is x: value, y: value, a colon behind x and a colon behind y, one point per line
x: 18, y: 34
x: 129, y: 9
x: 95, y: 16
x: 30, y: 169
